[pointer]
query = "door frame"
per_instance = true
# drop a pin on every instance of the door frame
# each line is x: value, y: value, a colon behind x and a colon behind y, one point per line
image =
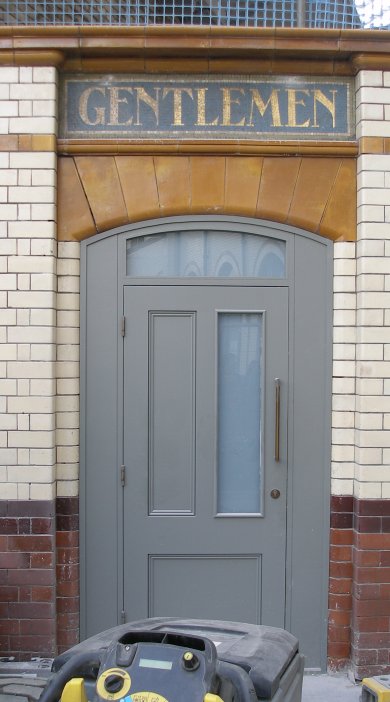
x: 101, y: 286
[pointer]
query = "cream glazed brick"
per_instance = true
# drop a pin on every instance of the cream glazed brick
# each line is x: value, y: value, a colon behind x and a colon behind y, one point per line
x: 372, y: 128
x: 367, y: 490
x: 372, y: 470
x: 344, y: 370
x: 377, y: 95
x: 341, y: 487
x: 68, y: 383
x: 369, y: 112
x: 370, y: 79
x: 28, y: 316
x: 28, y: 100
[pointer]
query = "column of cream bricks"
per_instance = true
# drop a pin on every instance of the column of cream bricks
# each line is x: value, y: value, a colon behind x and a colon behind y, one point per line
x: 28, y: 125
x: 344, y: 371
x: 343, y: 454
x: 371, y: 602
x: 68, y: 375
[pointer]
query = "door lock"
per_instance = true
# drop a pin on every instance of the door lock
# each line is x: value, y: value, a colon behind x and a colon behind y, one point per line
x: 275, y: 494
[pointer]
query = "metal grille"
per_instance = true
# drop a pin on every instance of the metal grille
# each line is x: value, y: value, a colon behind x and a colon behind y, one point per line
x: 326, y: 14
x: 236, y: 13
x: 323, y: 14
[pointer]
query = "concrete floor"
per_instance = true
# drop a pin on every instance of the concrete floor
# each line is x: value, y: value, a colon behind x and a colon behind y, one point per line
x: 330, y: 688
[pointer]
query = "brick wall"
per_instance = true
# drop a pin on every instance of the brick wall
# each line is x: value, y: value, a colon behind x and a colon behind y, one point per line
x: 371, y: 552
x: 28, y: 125
x: 39, y: 388
x: 28, y: 282
x: 67, y: 440
x: 340, y: 582
x: 67, y: 573
x: 344, y: 369
x: 27, y: 578
x: 68, y: 372
x: 371, y: 591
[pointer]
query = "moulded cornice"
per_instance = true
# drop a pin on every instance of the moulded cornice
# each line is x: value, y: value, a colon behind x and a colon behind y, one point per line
x: 277, y: 49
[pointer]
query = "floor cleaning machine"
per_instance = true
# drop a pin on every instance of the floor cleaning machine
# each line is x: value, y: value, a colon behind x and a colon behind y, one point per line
x: 180, y: 660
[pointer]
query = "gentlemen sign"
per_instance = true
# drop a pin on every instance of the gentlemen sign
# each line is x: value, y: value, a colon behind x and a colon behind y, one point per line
x: 206, y: 107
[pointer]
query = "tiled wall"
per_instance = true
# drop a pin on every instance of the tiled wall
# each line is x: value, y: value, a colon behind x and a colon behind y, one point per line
x: 344, y: 369
x: 28, y: 124
x: 359, y: 599
x: 67, y: 437
x: 371, y: 594
x: 67, y: 572
x: 340, y: 581
x: 371, y: 588
x: 39, y: 388
x: 68, y: 373
x: 372, y: 479
x: 27, y: 577
x: 28, y: 249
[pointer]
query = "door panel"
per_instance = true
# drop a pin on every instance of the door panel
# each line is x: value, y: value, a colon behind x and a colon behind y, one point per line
x: 199, y: 586
x: 171, y: 413
x: 199, y: 422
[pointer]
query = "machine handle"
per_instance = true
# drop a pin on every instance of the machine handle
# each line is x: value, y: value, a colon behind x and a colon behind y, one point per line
x: 240, y: 680
x: 72, y: 667
x: 277, y: 420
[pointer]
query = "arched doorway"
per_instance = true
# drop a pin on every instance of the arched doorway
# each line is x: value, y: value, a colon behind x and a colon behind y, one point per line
x: 206, y: 425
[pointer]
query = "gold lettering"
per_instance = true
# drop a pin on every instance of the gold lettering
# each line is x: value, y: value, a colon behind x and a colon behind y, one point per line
x: 143, y: 96
x: 292, y: 107
x: 100, y: 112
x: 258, y: 101
x: 330, y: 105
x: 227, y: 102
x: 177, y: 103
x: 115, y: 101
x: 201, y: 102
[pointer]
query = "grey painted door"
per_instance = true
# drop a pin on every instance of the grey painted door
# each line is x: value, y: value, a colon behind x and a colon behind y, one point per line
x: 110, y: 539
x: 203, y: 537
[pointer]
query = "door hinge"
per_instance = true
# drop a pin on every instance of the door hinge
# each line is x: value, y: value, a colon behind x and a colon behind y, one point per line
x: 123, y: 326
x: 123, y: 476
x: 123, y: 617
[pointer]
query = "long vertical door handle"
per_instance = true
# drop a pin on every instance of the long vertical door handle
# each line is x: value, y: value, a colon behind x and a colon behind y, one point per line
x: 277, y: 419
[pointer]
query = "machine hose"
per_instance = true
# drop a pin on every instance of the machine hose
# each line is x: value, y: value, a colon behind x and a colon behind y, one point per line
x: 53, y: 691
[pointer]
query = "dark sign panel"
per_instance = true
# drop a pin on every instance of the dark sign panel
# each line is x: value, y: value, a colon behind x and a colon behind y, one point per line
x: 206, y: 107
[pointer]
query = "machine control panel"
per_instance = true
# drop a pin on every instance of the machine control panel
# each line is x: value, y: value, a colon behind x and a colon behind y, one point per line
x: 148, y: 671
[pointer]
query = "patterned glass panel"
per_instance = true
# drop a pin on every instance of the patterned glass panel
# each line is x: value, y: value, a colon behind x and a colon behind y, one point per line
x: 206, y: 254
x: 239, y: 412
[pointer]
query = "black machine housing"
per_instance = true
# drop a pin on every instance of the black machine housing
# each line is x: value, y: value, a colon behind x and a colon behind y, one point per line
x: 186, y: 660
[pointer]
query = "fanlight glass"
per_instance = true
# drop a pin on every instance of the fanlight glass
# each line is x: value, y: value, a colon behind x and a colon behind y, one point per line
x: 205, y: 254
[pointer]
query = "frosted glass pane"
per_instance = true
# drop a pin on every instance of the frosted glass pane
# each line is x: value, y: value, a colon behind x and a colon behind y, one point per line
x: 239, y: 412
x: 206, y: 253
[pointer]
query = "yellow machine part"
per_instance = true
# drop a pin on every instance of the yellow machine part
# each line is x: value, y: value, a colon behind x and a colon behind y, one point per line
x: 74, y: 691
x: 374, y: 691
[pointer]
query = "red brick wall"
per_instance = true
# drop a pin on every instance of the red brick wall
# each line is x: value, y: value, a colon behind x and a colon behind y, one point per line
x: 68, y: 581
x: 359, y: 586
x: 39, y: 577
x: 340, y: 582
x: 371, y: 591
x: 27, y: 580
x: 39, y: 581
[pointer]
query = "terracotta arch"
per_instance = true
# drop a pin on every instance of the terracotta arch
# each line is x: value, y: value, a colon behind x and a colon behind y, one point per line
x: 97, y: 193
